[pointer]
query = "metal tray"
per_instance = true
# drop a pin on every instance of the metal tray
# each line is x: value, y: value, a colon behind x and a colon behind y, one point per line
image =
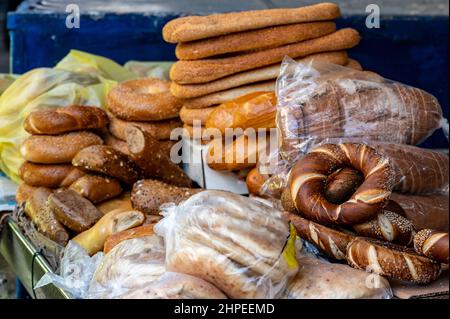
x: 26, y: 262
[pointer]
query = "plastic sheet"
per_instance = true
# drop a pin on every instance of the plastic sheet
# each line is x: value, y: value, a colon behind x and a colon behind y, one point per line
x: 242, y: 246
x: 318, y: 100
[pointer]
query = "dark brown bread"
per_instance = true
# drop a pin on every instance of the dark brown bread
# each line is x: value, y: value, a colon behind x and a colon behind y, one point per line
x: 73, y: 211
x: 154, y: 162
x: 49, y: 175
x: 341, y: 185
x: 425, y: 211
x: 57, y: 149
x: 148, y: 195
x: 97, y: 188
x: 65, y: 119
x: 107, y: 161
x: 200, y: 27
x: 39, y: 212
x: 393, y: 261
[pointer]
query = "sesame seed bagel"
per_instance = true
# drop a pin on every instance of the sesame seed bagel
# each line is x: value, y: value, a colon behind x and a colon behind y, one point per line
x: 145, y: 99
x: 308, y: 179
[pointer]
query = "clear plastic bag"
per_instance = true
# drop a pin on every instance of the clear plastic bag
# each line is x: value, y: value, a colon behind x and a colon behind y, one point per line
x: 76, y: 271
x: 242, y: 246
x: 319, y: 100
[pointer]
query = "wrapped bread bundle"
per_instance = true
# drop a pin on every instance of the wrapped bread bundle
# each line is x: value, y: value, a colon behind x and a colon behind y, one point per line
x: 240, y: 245
x: 134, y: 269
x: 320, y: 100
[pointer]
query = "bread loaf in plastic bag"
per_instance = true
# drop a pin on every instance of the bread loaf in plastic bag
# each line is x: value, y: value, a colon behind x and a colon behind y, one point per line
x: 240, y: 245
x: 319, y: 100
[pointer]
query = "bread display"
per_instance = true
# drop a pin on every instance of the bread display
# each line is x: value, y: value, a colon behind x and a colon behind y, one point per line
x: 108, y: 161
x: 49, y: 175
x: 73, y: 211
x: 65, y: 119
x: 148, y: 195
x: 37, y: 210
x: 57, y: 149
x: 433, y: 244
x: 93, y: 239
x: 96, y: 188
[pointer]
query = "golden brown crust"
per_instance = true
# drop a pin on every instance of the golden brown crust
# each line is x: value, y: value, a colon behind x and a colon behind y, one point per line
x: 49, y: 175
x: 227, y: 95
x: 118, y: 144
x: 254, y: 181
x: 433, y: 244
x: 160, y: 130
x: 248, y: 77
x: 97, y: 188
x: 253, y: 40
x: 148, y: 195
x: 57, y: 149
x: 144, y: 99
x: 201, y: 71
x: 65, y: 119
x: 392, y: 261
x: 309, y: 174
x: 108, y: 161
x: 117, y: 238
x: 201, y: 27
x: 24, y: 192
x: 188, y: 116
x: 353, y: 64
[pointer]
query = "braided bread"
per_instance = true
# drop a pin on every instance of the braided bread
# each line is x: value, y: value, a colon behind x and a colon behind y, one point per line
x: 65, y: 119
x: 392, y: 261
x: 308, y: 176
x: 433, y: 244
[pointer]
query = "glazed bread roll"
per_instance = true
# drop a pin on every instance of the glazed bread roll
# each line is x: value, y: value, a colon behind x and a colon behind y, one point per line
x: 118, y: 144
x: 251, y: 76
x: 254, y: 181
x: 425, y: 211
x: 117, y: 238
x: 433, y: 244
x: 57, y: 149
x: 235, y: 243
x: 201, y: 71
x: 253, y: 110
x: 24, y: 192
x: 108, y: 161
x: 153, y: 161
x: 38, y: 211
x: 341, y: 185
x: 65, y: 119
x: 93, y: 239
x: 201, y: 27
x: 319, y: 279
x: 215, y: 98
x: 253, y: 40
x: 73, y: 211
x: 148, y: 195
x: 49, y: 175
x: 123, y: 202
x: 96, y: 188
x: 188, y: 116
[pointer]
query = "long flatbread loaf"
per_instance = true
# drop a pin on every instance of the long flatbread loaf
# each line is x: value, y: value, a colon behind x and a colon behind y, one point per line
x: 425, y: 211
x: 198, y: 27
x: 201, y: 71
x: 253, y: 40
x: 252, y: 76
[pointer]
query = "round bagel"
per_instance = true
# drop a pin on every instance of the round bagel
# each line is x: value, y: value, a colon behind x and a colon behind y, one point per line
x: 145, y: 99
x: 308, y: 178
x: 391, y: 260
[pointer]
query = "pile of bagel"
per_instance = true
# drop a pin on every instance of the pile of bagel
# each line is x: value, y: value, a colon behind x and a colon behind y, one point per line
x: 340, y: 199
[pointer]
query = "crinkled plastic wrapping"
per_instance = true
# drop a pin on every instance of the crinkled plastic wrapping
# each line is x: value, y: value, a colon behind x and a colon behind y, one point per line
x: 79, y: 78
x: 242, y: 246
x: 320, y: 100
x: 144, y: 69
x: 77, y: 269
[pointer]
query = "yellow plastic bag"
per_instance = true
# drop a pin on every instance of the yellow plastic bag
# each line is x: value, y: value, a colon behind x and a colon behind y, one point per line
x: 80, y: 78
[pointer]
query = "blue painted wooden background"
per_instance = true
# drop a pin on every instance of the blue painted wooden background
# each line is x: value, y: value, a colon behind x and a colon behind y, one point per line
x: 410, y: 49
